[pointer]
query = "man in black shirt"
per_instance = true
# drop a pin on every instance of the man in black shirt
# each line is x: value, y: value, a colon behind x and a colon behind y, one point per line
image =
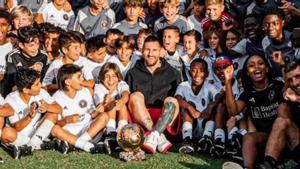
x: 285, y: 131
x: 28, y: 55
x: 153, y: 82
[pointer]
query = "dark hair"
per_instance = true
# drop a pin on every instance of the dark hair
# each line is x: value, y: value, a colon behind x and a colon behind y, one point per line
x: 220, y: 35
x: 129, y: 40
x: 172, y: 27
x: 194, y: 33
x: 199, y: 2
x: 114, y: 31
x: 66, y: 72
x: 291, y: 65
x: 202, y: 62
x: 80, y: 36
x: 6, y: 15
x: 95, y: 43
x: 27, y: 34
x: 146, y: 31
x: 65, y: 39
x: 110, y: 66
x: 152, y: 38
x: 134, y: 3
x: 25, y: 78
x: 275, y: 11
x: 259, y: 18
x: 246, y: 80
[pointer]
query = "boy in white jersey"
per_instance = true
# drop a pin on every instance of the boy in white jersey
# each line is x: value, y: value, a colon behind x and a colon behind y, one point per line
x: 112, y: 94
x: 97, y: 56
x: 55, y: 13
x: 80, y: 124
x: 70, y: 46
x: 125, y: 48
x: 34, y: 113
x: 194, y: 97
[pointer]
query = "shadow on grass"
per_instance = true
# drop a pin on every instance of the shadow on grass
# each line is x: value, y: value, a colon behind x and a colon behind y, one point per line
x: 192, y: 165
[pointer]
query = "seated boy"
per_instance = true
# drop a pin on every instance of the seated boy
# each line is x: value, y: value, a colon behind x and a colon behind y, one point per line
x: 33, y: 115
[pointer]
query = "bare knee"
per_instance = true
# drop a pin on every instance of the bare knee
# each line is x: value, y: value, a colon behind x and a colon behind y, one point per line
x: 52, y: 117
x: 136, y: 97
x: 284, y: 110
x: 8, y: 134
x: 55, y: 130
x: 171, y: 99
x: 281, y: 124
x: 103, y: 117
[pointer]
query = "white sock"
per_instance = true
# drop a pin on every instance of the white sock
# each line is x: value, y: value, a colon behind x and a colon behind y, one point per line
x: 0, y: 133
x: 121, y: 124
x: 111, y: 126
x: 209, y: 128
x: 85, y: 137
x: 220, y: 134
x: 84, y: 145
x: 187, y: 130
x: 232, y: 131
x: 42, y: 132
x: 243, y: 131
x: 20, y: 140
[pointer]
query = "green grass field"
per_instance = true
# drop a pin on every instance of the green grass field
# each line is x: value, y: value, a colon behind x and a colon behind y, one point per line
x: 82, y: 160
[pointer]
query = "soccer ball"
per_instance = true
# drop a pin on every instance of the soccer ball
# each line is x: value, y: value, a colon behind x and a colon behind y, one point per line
x: 131, y: 137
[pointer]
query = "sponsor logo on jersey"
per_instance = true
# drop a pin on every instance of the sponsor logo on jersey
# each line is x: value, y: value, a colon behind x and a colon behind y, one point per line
x: 252, y: 100
x: 82, y: 103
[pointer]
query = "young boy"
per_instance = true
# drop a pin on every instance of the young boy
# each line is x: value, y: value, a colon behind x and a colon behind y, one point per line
x: 70, y: 46
x: 112, y: 36
x: 97, y: 56
x: 194, y: 98
x: 142, y: 35
x: 131, y: 25
x: 217, y: 16
x: 51, y: 44
x: 5, y: 46
x: 170, y: 10
x: 55, y: 13
x: 28, y: 55
x: 94, y: 19
x: 80, y: 123
x: 34, y: 113
x: 198, y: 15
x: 171, y: 37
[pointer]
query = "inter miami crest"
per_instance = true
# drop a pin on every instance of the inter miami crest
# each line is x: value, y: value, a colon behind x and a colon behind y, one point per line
x: 203, y: 102
x: 66, y: 17
x: 104, y: 24
x: 82, y: 103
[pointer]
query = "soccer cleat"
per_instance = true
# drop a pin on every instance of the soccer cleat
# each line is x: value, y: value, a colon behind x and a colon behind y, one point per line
x: 16, y: 152
x: 231, y: 165
x: 186, y: 146
x: 63, y: 147
x: 237, y: 141
x: 205, y: 144
x: 163, y: 145
x: 111, y: 141
x: 151, y: 141
x: 48, y: 145
x: 101, y: 148
x: 219, y: 148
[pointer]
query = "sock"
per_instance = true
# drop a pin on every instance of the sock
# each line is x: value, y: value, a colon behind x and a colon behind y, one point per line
x: 209, y: 128
x: 20, y: 140
x: 85, y: 137
x: 42, y: 132
x: 243, y: 131
x: 220, y: 134
x: 232, y: 131
x: 187, y: 130
x: 0, y: 133
x: 84, y: 145
x: 271, y: 160
x: 121, y: 124
x: 111, y: 126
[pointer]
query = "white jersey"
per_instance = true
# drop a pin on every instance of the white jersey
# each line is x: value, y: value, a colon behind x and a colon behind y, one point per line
x: 206, y: 95
x: 123, y: 69
x: 100, y: 91
x: 94, y: 68
x: 21, y: 108
x: 82, y: 104
x: 57, y: 17
x: 187, y: 64
x: 1, y: 100
x: 210, y: 59
x: 137, y: 55
x: 195, y: 24
x: 175, y: 60
x: 235, y: 88
x: 51, y: 74
x: 5, y: 49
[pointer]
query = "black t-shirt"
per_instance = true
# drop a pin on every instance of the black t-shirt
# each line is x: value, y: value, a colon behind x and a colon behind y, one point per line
x: 262, y: 105
x: 295, y: 112
x: 16, y: 61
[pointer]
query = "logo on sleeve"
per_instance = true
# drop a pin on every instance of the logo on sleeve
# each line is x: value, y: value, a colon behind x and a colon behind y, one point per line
x: 271, y: 95
x: 82, y: 103
x: 203, y: 102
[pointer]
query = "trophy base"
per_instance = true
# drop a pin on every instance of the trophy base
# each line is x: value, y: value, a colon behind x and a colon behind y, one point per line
x: 138, y: 155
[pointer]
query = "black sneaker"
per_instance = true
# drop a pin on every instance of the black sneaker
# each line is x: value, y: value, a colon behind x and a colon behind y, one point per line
x: 111, y: 141
x: 219, y: 148
x: 63, y: 147
x: 48, y: 145
x: 101, y: 148
x: 237, y: 141
x: 186, y: 146
x: 16, y: 152
x: 205, y: 144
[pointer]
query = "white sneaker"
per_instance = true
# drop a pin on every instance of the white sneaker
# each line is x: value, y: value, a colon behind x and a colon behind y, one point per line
x: 163, y: 144
x: 150, y: 143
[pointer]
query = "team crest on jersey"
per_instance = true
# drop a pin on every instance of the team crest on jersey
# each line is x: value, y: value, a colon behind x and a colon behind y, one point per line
x: 66, y: 17
x: 82, y: 103
x: 271, y: 95
x: 104, y: 24
x: 203, y: 102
